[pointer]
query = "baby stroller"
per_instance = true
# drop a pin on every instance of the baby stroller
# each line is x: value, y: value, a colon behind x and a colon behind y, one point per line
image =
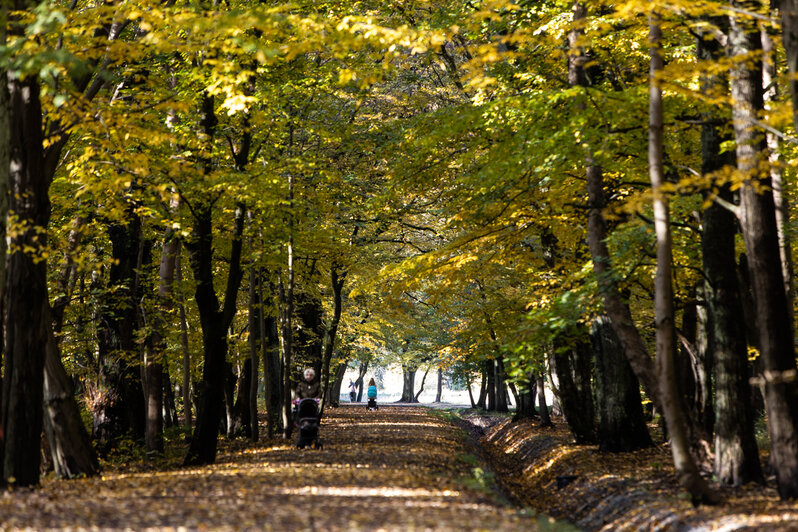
x: 372, y: 404
x: 307, y: 419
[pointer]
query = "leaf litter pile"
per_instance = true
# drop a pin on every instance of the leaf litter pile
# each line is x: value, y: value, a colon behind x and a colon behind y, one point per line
x: 543, y: 468
x: 399, y: 468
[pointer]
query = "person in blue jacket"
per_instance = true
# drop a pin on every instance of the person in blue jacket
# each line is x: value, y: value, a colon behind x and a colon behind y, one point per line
x: 372, y: 395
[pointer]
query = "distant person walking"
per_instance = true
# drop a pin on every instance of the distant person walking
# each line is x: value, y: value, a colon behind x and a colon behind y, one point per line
x: 352, y: 391
x: 372, y: 395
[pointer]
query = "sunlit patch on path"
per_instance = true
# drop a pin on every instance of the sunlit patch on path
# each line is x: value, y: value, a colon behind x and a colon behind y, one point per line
x: 399, y: 468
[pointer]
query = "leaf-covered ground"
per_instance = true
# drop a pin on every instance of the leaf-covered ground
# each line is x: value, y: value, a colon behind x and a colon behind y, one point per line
x: 621, y: 491
x: 400, y: 468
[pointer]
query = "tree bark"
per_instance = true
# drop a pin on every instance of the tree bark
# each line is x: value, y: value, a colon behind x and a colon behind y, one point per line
x: 621, y: 424
x: 575, y: 393
x: 760, y: 233
x: 255, y: 340
x: 166, y: 274
x: 736, y: 454
x: 70, y: 445
x: 689, y: 476
x: 120, y: 405
x: 408, y: 383
x: 545, y: 419
x: 439, y: 392
x: 214, y: 323
x: 421, y: 388
x: 181, y: 308
x: 337, y: 280
x: 26, y: 289
x: 361, y: 374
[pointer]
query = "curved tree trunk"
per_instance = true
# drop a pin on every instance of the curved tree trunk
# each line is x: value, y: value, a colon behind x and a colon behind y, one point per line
x: 70, y: 445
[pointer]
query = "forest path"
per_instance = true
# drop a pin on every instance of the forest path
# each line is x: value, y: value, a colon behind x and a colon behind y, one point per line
x: 399, y: 468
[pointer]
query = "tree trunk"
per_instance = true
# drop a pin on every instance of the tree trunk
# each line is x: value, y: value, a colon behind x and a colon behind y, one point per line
x: 689, y: 476
x: 154, y: 368
x: 70, y: 445
x: 337, y: 280
x: 255, y: 340
x: 525, y: 408
x: 361, y: 374
x: 335, y: 390
x: 214, y: 323
x: 26, y: 320
x: 760, y: 233
x: 778, y: 182
x: 483, y: 388
x: 439, y: 392
x: 181, y: 308
x: 286, y: 316
x: 421, y: 388
x: 169, y: 404
x: 576, y: 401
x: 272, y: 373
x: 501, y: 385
x: 120, y: 405
x: 545, y: 419
x: 490, y: 385
x: 736, y: 454
x: 241, y: 420
x: 408, y: 384
x: 622, y: 426
x: 470, y: 393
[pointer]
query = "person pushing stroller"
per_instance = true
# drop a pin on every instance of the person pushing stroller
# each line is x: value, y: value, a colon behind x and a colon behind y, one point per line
x: 307, y: 418
x: 372, y: 395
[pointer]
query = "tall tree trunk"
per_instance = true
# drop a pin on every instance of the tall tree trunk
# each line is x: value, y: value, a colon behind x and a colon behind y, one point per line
x: 255, y: 341
x: 622, y: 426
x: 337, y: 280
x: 26, y: 290
x: 778, y: 182
x: 439, y: 392
x: 272, y: 371
x: 215, y: 323
x: 181, y: 308
x: 689, y: 476
x: 736, y: 455
x: 287, y: 316
x: 166, y: 274
x: 760, y: 233
x: 120, y: 405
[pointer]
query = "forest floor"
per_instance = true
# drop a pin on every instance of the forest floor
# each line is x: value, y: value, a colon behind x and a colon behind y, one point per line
x: 615, y: 491
x: 399, y: 468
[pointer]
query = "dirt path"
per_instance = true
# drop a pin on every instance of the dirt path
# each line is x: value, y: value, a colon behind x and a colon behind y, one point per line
x: 398, y: 468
